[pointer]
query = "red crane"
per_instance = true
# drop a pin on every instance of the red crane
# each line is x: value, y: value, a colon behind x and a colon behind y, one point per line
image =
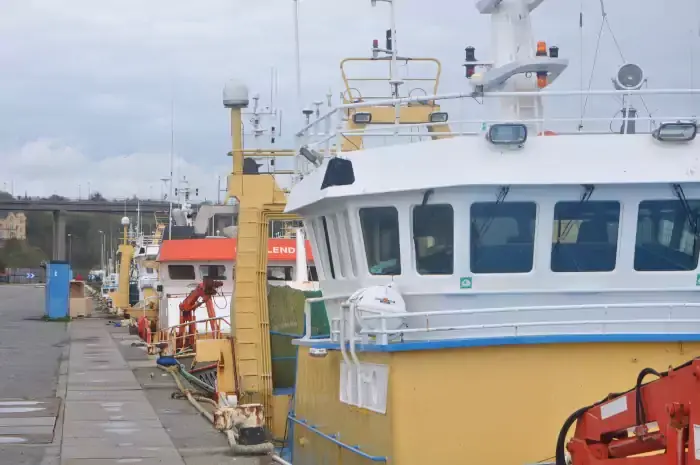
x: 661, y: 418
x: 202, y: 295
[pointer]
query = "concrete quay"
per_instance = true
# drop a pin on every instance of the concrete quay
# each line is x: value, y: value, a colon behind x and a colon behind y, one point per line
x: 82, y: 394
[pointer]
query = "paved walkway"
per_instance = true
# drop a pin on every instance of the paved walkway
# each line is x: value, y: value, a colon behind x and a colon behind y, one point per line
x: 81, y: 394
x: 31, y: 351
x: 107, y: 418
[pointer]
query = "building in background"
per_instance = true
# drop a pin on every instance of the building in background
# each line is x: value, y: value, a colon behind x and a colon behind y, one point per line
x: 13, y: 226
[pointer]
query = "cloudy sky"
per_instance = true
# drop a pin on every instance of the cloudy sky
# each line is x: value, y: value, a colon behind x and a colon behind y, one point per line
x: 86, y: 86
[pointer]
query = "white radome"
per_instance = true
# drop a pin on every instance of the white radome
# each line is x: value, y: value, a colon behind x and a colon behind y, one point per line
x: 125, y: 221
x: 235, y: 94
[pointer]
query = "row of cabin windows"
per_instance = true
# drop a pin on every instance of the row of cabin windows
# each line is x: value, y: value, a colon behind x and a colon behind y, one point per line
x: 274, y: 273
x: 585, y: 237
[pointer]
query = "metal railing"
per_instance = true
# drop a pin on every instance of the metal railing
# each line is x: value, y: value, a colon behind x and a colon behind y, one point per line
x: 428, y: 321
x: 328, y: 132
x: 211, y: 331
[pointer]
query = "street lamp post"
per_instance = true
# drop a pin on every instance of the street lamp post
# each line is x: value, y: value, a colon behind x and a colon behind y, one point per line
x: 102, y: 250
x: 70, y: 249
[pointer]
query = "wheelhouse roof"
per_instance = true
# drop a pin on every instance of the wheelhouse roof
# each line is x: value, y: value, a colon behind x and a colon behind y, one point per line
x: 473, y: 161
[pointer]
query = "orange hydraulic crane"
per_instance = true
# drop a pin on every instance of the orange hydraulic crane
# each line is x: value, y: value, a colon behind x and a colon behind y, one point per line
x: 202, y: 295
x: 651, y: 424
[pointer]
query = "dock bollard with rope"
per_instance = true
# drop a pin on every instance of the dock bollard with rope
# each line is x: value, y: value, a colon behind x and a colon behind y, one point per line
x: 235, y: 421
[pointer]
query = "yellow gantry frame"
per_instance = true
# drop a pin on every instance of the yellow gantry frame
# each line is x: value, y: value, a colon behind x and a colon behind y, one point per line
x: 260, y: 201
x: 408, y: 114
x: 126, y: 254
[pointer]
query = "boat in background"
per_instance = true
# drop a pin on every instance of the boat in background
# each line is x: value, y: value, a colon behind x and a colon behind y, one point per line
x: 184, y: 263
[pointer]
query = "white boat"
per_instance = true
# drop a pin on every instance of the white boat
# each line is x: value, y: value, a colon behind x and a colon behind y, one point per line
x: 486, y: 277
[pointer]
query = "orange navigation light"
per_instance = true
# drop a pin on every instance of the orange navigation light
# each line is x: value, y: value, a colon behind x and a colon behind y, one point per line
x: 541, y: 80
x: 541, y: 49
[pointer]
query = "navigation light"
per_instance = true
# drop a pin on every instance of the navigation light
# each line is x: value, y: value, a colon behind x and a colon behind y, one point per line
x: 507, y: 134
x: 676, y: 132
x: 470, y: 57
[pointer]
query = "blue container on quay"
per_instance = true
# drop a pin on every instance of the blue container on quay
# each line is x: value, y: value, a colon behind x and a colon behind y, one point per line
x: 58, y: 275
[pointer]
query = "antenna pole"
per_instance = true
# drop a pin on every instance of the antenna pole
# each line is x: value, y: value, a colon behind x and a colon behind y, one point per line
x: 172, y: 157
x: 394, y: 46
x: 297, y: 54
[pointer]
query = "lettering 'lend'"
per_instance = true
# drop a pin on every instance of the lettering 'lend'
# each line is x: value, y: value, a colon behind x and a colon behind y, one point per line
x: 284, y: 250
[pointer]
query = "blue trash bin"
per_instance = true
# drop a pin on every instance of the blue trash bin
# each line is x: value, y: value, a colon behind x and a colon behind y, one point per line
x: 58, y: 274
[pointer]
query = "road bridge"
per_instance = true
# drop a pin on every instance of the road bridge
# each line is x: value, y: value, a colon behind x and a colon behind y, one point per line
x: 84, y: 206
x: 59, y: 207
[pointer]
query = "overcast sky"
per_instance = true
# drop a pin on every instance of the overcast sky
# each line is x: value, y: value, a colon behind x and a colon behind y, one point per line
x: 86, y: 86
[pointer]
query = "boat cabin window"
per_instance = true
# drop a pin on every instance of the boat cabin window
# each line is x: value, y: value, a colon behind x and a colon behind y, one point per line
x: 585, y: 236
x: 149, y: 270
x: 220, y: 271
x: 313, y: 274
x: 327, y: 242
x: 279, y: 273
x: 181, y: 272
x: 667, y: 236
x: 380, y: 232
x: 502, y: 237
x: 349, y: 240
x: 433, y: 238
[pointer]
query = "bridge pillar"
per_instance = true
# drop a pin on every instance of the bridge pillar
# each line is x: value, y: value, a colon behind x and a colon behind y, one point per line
x: 59, y: 235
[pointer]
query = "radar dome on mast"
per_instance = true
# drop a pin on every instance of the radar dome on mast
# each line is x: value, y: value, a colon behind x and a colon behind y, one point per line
x: 235, y: 94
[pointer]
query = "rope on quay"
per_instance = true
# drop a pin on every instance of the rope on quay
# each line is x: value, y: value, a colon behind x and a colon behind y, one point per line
x: 195, y: 399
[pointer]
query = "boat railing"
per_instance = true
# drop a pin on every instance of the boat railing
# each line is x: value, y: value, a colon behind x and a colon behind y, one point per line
x: 146, y: 240
x: 518, y: 325
x: 327, y: 133
x: 554, y: 315
x: 372, y: 76
x: 214, y: 328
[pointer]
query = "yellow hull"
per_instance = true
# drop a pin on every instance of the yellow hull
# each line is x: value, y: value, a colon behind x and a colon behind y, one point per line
x: 501, y: 405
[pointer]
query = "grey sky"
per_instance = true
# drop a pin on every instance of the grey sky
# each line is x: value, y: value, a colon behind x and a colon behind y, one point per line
x: 85, y: 86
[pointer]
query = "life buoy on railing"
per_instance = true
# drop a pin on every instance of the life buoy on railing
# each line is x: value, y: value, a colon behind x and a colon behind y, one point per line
x: 547, y: 133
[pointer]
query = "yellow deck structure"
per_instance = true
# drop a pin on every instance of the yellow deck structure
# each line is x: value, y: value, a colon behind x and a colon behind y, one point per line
x: 466, y: 402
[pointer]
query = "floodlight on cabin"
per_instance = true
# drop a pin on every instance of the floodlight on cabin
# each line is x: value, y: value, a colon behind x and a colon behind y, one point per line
x: 362, y: 118
x: 507, y: 134
x: 438, y: 117
x: 679, y: 131
x: 312, y: 156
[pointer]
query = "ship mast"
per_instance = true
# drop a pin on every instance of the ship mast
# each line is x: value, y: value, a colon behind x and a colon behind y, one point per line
x: 519, y: 63
x: 512, y: 40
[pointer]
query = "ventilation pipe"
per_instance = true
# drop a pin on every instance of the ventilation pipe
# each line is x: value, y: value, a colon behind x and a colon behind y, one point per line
x: 629, y: 121
x: 302, y: 275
